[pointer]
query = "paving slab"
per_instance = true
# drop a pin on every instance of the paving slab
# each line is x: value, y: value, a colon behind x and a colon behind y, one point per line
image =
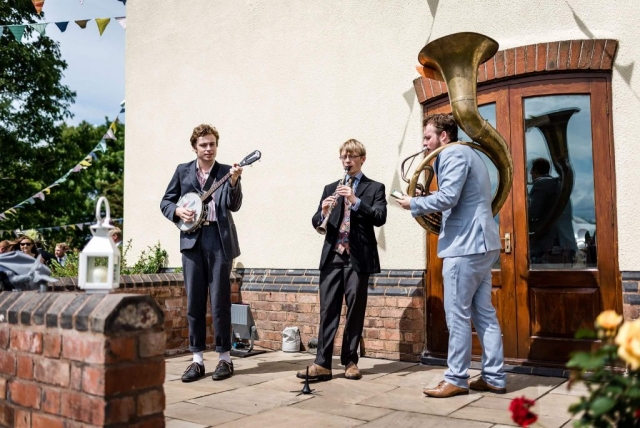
x: 342, y: 390
x: 175, y: 392
x: 206, y: 416
x: 293, y: 417
x: 177, y: 423
x: 329, y: 406
x: 250, y: 400
x: 418, y: 420
x: 413, y: 400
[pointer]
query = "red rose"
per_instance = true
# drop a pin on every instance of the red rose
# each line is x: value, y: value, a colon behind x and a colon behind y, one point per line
x: 520, y: 412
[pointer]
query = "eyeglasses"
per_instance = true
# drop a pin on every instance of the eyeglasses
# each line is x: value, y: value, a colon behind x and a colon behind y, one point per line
x: 343, y: 158
x: 26, y: 244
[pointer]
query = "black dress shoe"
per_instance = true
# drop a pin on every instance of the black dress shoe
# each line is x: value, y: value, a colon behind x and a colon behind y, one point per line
x: 195, y: 371
x: 223, y: 371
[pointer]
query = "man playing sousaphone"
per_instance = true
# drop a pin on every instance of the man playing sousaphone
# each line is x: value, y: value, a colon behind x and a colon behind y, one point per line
x: 208, y: 252
x: 469, y: 243
x: 349, y: 256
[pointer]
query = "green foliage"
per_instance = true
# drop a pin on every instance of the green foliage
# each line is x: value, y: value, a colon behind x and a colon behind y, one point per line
x: 613, y: 396
x: 151, y: 260
x: 37, y: 148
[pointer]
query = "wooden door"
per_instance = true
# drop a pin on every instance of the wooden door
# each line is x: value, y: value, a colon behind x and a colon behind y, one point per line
x: 494, y: 107
x: 563, y: 268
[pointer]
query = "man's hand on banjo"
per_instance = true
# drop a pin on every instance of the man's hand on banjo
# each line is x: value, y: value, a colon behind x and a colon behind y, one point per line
x: 185, y: 214
x: 236, y: 171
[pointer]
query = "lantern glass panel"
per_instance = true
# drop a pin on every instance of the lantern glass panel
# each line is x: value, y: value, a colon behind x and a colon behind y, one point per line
x: 97, y: 269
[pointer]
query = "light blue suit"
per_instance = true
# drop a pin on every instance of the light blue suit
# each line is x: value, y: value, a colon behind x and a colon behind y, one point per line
x: 469, y: 243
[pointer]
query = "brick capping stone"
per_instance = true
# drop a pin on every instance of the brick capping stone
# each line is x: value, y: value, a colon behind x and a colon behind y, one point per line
x: 81, y: 360
x: 279, y: 298
x: 540, y: 58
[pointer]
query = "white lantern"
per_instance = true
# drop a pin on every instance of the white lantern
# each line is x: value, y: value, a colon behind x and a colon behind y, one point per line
x: 99, y: 270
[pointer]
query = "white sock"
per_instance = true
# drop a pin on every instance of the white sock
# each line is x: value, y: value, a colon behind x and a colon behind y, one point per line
x: 225, y: 356
x: 197, y: 358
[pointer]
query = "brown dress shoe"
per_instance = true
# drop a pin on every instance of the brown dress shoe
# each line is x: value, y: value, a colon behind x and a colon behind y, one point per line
x: 352, y: 372
x: 316, y: 372
x: 445, y: 390
x: 481, y: 385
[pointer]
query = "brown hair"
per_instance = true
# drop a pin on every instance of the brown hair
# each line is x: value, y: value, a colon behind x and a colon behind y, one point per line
x: 443, y: 122
x: 5, y: 244
x: 353, y: 147
x: 63, y: 245
x: 201, y: 131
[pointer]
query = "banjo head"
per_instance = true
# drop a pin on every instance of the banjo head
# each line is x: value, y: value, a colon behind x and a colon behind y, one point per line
x: 191, y: 201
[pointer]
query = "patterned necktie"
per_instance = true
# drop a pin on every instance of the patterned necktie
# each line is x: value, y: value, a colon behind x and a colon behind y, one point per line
x: 343, y: 235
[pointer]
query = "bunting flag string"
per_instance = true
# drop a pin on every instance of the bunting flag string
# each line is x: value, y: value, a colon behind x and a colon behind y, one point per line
x: 18, y: 30
x: 85, y: 163
x: 77, y: 226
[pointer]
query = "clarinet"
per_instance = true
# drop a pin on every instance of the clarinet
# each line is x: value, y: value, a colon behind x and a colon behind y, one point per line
x: 322, y: 229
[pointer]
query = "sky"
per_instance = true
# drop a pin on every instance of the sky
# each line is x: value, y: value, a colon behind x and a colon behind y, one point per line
x: 95, y: 63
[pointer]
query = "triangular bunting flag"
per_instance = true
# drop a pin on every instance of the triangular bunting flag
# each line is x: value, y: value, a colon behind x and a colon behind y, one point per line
x: 12, y: 211
x: 93, y: 156
x: 82, y: 23
x: 62, y: 26
x: 38, y: 5
x: 39, y: 195
x: 88, y: 158
x: 124, y: 2
x: 102, y: 24
x: 46, y: 191
x: 31, y: 201
x: 40, y: 27
x: 85, y: 164
x: 64, y: 227
x: 79, y: 226
x: 17, y: 31
x: 109, y: 135
x: 73, y: 226
x: 102, y: 146
x: 3, y: 217
x: 77, y: 168
x: 56, y: 228
x: 122, y: 20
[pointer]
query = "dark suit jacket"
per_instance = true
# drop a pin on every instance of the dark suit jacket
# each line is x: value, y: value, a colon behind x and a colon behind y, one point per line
x: 227, y: 199
x: 362, y: 241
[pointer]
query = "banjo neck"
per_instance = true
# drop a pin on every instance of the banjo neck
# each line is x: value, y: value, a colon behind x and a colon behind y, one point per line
x: 215, y: 186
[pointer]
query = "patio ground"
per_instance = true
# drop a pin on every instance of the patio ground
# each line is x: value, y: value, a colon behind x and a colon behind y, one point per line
x: 264, y: 393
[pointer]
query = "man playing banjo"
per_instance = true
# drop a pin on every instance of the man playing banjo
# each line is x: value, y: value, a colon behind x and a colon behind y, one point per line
x: 207, y: 249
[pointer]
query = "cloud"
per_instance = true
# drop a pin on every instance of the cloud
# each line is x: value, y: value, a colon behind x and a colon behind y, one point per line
x: 95, y: 64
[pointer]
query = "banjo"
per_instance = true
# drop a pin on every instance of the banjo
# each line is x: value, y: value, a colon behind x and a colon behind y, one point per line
x: 194, y: 200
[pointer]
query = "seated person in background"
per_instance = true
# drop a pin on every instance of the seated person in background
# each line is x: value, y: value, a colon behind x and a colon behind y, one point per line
x: 61, y: 253
x: 116, y: 235
x: 5, y: 246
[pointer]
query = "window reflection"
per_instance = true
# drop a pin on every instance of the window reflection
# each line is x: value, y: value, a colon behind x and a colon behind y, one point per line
x: 561, y: 204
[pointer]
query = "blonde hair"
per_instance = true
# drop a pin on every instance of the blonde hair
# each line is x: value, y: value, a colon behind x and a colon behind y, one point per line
x: 63, y: 245
x: 353, y: 147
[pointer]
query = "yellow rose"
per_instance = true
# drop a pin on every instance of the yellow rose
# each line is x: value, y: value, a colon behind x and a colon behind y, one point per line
x: 609, y: 320
x: 628, y: 340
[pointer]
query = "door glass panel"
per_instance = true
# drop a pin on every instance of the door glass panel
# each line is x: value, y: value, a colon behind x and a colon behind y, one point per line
x: 487, y: 111
x: 560, y: 205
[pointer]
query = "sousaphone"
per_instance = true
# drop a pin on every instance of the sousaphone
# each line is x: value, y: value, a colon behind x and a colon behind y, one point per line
x: 454, y: 59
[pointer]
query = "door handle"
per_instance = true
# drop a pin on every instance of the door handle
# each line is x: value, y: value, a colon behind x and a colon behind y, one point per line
x: 507, y: 243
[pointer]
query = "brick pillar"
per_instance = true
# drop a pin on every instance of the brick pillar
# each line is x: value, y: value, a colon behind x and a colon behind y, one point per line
x: 76, y: 359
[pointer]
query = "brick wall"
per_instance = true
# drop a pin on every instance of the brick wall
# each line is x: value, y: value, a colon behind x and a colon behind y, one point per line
x: 630, y: 295
x: 541, y: 58
x: 279, y: 298
x: 81, y: 360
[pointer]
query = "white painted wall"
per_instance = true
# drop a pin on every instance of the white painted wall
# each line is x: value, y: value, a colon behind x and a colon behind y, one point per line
x: 295, y: 79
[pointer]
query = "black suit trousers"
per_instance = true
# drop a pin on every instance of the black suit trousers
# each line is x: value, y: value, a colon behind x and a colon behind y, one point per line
x: 206, y: 272
x: 337, y: 279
